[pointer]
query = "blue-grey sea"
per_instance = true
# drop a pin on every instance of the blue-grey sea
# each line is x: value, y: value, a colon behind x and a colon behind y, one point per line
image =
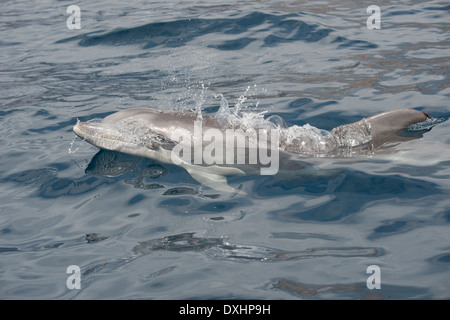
x: 139, y: 229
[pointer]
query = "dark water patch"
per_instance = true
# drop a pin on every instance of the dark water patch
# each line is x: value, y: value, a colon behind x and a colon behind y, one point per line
x: 8, y: 249
x: 440, y: 263
x: 42, y: 113
x: 5, y: 231
x: 60, y: 166
x: 345, y: 43
x: 304, y: 32
x: 177, y: 191
x: 345, y: 193
x: 234, y: 216
x: 95, y: 237
x: 47, y: 184
x: 179, y: 32
x: 400, y: 13
x: 233, y: 44
x: 210, y: 109
x: 54, y: 245
x: 300, y: 103
x: 447, y: 216
x: 58, y: 187
x: 216, y: 218
x: 442, y: 258
x: 7, y: 44
x: 391, y: 227
x: 4, y: 113
x: 445, y: 8
x: 395, y: 227
x: 350, y: 291
x: 136, y: 199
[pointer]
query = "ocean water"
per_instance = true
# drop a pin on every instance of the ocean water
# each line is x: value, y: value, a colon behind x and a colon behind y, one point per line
x: 139, y: 229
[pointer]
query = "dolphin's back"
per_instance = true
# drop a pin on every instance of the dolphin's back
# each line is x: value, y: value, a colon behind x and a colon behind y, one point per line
x: 382, y: 128
x: 162, y: 120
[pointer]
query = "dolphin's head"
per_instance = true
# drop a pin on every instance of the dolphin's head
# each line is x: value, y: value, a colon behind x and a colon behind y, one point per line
x: 126, y: 133
x: 142, y: 132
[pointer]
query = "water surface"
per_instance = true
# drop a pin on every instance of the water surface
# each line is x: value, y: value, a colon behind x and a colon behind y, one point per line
x: 139, y: 229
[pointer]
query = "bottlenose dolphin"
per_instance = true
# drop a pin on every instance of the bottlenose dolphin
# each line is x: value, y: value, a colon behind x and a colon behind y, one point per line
x: 155, y: 134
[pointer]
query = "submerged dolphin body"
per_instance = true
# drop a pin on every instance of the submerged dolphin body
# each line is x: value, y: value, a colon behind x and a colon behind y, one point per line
x: 150, y: 133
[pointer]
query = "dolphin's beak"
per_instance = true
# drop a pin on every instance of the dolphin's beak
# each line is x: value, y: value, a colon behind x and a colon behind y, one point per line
x: 80, y: 129
x: 95, y: 129
x: 102, y: 135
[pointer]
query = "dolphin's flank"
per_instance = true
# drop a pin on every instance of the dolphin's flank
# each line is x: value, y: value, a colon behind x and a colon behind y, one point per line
x: 154, y: 134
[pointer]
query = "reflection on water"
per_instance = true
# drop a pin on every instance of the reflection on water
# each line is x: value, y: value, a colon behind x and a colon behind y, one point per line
x: 46, y: 183
x: 114, y: 164
x: 357, y: 291
x: 218, y: 248
x: 339, y: 187
x: 348, y: 291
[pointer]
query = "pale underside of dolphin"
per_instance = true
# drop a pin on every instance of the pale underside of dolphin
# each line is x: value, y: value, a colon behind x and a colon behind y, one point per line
x: 153, y: 133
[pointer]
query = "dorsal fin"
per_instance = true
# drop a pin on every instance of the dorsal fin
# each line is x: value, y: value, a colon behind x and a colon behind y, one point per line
x: 383, y: 127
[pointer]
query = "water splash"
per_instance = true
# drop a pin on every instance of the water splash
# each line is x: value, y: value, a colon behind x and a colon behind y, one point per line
x: 199, y: 102
x: 307, y: 140
x: 76, y: 140
x: 245, y: 116
x: 72, y: 149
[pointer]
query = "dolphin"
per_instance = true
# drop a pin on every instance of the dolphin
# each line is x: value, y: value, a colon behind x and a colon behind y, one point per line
x: 155, y: 134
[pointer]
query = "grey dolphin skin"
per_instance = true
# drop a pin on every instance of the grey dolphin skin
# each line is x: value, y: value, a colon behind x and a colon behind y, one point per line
x: 150, y: 133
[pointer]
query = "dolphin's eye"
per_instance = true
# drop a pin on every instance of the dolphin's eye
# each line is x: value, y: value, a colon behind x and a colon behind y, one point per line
x: 153, y: 140
x: 151, y: 145
x: 159, y: 137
